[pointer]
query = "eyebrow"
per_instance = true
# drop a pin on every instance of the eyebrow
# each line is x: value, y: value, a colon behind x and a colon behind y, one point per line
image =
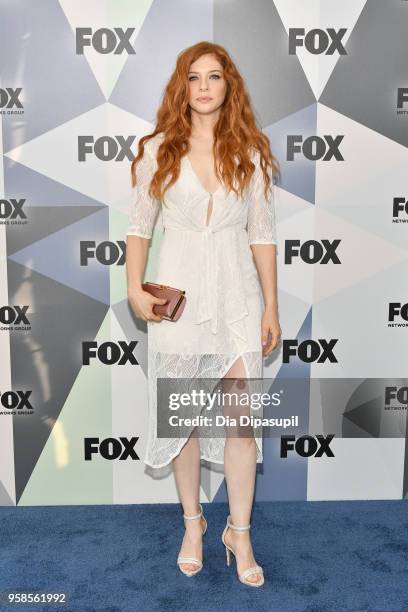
x: 195, y: 72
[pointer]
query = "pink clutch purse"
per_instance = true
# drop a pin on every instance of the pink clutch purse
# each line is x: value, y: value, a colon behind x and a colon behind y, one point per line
x: 176, y: 300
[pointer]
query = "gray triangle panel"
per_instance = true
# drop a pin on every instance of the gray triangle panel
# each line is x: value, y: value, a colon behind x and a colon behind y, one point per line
x: 5, y: 499
x: 365, y: 82
x: 21, y: 181
x: 254, y: 35
x: 46, y: 359
x: 38, y: 44
x: 297, y: 175
x: 44, y: 221
x: 141, y: 82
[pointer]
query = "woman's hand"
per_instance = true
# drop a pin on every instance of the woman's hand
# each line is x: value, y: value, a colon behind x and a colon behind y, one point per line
x: 142, y: 303
x: 270, y: 323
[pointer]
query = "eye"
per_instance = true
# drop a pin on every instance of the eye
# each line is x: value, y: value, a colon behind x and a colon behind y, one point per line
x: 193, y: 77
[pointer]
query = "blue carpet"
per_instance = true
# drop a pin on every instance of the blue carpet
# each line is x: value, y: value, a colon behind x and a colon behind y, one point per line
x: 317, y: 556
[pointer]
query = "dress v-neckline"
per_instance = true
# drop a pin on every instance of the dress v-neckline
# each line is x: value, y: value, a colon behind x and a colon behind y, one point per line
x: 211, y: 193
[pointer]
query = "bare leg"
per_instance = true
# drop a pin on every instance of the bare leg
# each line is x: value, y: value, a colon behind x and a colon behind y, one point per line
x: 240, y: 472
x: 186, y: 469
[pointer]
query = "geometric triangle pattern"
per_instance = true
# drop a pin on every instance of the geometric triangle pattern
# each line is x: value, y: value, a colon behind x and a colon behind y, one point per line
x: 79, y: 271
x: 57, y: 84
x: 59, y: 473
x: 106, y: 67
x: 297, y: 174
x: 370, y: 67
x: 327, y: 83
x: 316, y: 14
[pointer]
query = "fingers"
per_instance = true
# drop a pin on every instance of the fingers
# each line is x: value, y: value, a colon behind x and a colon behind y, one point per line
x: 270, y: 346
x: 264, y: 338
x: 145, y: 312
x: 267, y: 349
x: 152, y: 316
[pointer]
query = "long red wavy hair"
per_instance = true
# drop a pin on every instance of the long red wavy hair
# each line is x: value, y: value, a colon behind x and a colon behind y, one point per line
x: 235, y: 133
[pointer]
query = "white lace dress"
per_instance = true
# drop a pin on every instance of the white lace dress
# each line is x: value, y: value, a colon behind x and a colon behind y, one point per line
x: 215, y: 266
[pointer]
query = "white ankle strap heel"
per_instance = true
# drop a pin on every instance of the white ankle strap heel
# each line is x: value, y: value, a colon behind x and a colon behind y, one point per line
x: 192, y: 560
x: 256, y: 569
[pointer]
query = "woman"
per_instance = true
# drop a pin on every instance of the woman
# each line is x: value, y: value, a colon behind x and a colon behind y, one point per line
x: 219, y: 245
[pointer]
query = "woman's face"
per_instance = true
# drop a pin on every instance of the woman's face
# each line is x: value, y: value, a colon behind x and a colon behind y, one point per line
x: 207, y: 86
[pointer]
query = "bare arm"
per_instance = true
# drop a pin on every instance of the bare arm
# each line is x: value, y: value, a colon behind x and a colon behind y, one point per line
x: 265, y: 260
x: 262, y: 239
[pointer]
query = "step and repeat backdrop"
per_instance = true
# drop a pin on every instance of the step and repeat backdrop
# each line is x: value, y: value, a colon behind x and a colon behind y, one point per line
x: 80, y: 83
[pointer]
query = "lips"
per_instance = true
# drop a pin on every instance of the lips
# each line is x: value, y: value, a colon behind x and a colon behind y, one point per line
x: 204, y: 99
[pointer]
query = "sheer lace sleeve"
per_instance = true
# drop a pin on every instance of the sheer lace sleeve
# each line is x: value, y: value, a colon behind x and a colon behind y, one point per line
x: 143, y: 208
x: 261, y: 212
